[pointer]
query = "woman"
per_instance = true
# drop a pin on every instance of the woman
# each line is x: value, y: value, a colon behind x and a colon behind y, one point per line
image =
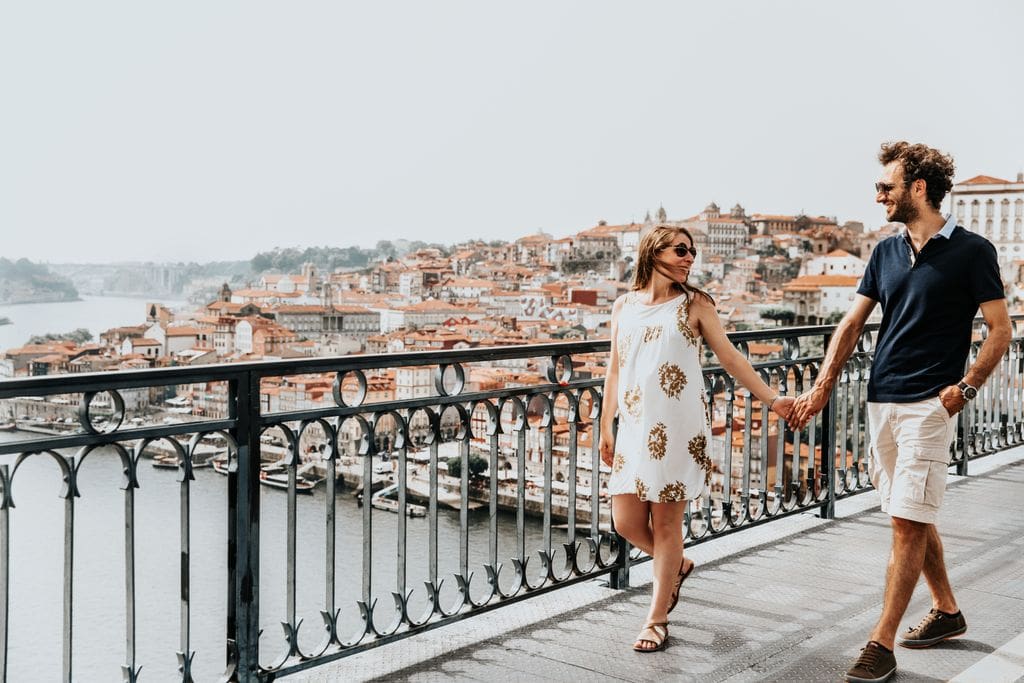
x: 659, y: 457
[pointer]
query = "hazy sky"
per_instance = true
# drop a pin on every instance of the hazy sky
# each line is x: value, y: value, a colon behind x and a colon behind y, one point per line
x: 212, y: 130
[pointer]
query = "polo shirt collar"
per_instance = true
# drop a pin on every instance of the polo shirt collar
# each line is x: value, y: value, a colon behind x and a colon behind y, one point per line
x: 945, y: 233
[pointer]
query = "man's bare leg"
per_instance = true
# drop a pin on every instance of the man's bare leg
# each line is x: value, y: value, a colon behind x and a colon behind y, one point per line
x: 909, y: 545
x: 935, y: 574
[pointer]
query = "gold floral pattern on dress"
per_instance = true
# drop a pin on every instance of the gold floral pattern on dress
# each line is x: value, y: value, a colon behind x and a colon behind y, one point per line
x: 683, y: 321
x: 698, y: 448
x: 672, y: 379
x: 651, y: 332
x: 631, y: 398
x: 657, y: 439
x: 641, y: 489
x: 618, y: 462
x: 672, y: 493
x: 625, y: 341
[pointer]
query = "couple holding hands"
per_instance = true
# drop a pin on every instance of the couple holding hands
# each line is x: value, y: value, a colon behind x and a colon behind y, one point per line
x: 930, y: 279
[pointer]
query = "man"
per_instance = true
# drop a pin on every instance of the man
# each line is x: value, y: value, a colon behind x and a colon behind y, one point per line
x: 930, y: 280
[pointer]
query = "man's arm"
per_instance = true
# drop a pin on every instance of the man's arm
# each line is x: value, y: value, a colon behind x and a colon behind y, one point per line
x: 1000, y: 332
x: 844, y: 341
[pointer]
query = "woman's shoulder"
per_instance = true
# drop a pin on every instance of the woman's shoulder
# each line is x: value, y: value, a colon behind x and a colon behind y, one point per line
x: 624, y: 300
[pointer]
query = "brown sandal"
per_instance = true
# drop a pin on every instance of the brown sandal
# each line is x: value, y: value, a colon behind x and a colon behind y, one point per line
x: 659, y: 631
x: 679, y: 583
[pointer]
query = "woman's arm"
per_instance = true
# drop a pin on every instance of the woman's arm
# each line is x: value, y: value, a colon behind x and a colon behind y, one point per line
x: 610, y: 400
x: 710, y: 328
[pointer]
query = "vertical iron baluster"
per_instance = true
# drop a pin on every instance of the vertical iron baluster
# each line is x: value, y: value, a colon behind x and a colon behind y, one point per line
x: 570, y: 534
x: 464, y: 509
x: 492, y: 528
x: 402, y: 541
x: 859, y: 430
x: 129, y: 669
x: 5, y: 571
x: 243, y: 620
x: 844, y: 427
x: 368, y: 527
x: 748, y: 414
x: 1003, y: 412
x: 69, y: 566
x: 730, y: 414
x: 432, y: 512
x: 762, y: 475
x: 780, y: 459
x: 291, y: 552
x: 330, y: 533
x: 595, y: 477
x: 548, y: 477
x: 827, y: 477
x: 521, y: 491
x: 185, y: 652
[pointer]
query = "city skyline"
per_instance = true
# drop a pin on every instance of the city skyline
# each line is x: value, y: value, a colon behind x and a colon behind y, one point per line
x: 148, y: 134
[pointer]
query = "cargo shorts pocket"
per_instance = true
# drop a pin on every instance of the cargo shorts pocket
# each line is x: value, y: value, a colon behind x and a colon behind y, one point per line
x: 922, y: 480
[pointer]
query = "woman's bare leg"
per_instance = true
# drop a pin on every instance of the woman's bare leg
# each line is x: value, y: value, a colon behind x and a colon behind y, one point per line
x: 633, y: 521
x: 667, y: 527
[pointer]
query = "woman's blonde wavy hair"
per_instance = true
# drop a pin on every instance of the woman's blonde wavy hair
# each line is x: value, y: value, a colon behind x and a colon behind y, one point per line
x: 653, y: 242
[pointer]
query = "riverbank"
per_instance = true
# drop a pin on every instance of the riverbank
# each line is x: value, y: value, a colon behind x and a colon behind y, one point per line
x: 40, y: 299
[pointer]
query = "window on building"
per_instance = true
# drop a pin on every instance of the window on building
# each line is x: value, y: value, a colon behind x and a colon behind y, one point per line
x: 974, y: 209
x: 990, y: 208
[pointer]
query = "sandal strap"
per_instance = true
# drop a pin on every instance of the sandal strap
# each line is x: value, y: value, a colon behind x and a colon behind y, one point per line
x: 659, y: 629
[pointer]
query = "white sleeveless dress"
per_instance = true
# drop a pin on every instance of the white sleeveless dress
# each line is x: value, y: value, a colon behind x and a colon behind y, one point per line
x: 661, y: 446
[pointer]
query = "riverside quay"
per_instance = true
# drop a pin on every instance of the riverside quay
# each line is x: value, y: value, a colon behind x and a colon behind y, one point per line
x: 255, y: 545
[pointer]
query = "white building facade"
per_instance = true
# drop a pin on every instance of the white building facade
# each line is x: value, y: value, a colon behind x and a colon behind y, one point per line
x: 994, y: 208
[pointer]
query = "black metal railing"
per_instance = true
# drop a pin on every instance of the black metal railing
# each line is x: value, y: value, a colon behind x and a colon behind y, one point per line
x: 347, y: 579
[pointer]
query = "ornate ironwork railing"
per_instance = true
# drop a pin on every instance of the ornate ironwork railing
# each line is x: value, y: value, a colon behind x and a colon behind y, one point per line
x: 537, y: 521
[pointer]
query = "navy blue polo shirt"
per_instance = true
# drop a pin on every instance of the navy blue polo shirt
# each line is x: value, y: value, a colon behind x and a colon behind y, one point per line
x: 928, y: 305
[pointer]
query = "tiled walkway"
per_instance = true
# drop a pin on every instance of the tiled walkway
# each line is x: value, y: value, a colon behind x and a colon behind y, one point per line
x: 796, y: 608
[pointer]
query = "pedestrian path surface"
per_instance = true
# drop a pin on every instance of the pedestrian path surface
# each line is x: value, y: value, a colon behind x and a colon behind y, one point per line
x: 796, y: 607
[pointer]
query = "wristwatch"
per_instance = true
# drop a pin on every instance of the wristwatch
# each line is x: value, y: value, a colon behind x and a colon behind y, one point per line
x: 967, y: 390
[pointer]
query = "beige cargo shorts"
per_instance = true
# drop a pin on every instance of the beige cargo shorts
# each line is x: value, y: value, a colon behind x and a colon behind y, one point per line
x: 909, y: 456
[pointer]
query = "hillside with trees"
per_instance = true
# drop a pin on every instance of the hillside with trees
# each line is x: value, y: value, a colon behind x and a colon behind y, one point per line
x: 24, y: 282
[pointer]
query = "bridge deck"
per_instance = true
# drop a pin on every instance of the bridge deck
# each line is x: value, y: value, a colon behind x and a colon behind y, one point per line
x: 790, y: 601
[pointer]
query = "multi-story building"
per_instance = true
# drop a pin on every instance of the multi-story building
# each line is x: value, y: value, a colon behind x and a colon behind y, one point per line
x: 773, y: 224
x: 837, y: 262
x: 813, y: 298
x: 993, y: 208
x: 721, y: 234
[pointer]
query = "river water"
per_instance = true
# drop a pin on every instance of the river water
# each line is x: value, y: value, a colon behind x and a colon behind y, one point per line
x: 36, y: 550
x: 95, y: 313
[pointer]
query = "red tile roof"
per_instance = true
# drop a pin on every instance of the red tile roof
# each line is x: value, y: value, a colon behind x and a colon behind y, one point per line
x: 985, y: 180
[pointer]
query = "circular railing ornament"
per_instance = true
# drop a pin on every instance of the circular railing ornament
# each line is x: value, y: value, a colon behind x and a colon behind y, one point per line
x: 560, y: 370
x: 338, y: 388
x: 453, y: 372
x: 98, y: 415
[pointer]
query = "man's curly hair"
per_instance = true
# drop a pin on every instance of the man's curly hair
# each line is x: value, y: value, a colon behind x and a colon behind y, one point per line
x: 921, y: 162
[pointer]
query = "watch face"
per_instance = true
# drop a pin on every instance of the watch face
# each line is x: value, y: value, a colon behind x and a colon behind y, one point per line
x: 970, y: 393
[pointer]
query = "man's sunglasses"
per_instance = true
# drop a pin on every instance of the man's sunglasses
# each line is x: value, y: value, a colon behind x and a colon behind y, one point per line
x: 682, y: 250
x: 886, y: 188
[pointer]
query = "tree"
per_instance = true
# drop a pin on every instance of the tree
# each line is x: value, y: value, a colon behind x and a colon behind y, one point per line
x: 78, y: 336
x: 779, y: 315
x: 477, y: 466
x: 833, y: 318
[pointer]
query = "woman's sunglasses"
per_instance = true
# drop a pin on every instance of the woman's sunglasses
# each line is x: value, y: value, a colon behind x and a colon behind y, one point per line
x: 682, y: 250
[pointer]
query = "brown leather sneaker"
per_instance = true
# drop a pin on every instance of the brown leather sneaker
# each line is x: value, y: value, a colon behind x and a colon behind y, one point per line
x: 874, y: 665
x: 934, y: 628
